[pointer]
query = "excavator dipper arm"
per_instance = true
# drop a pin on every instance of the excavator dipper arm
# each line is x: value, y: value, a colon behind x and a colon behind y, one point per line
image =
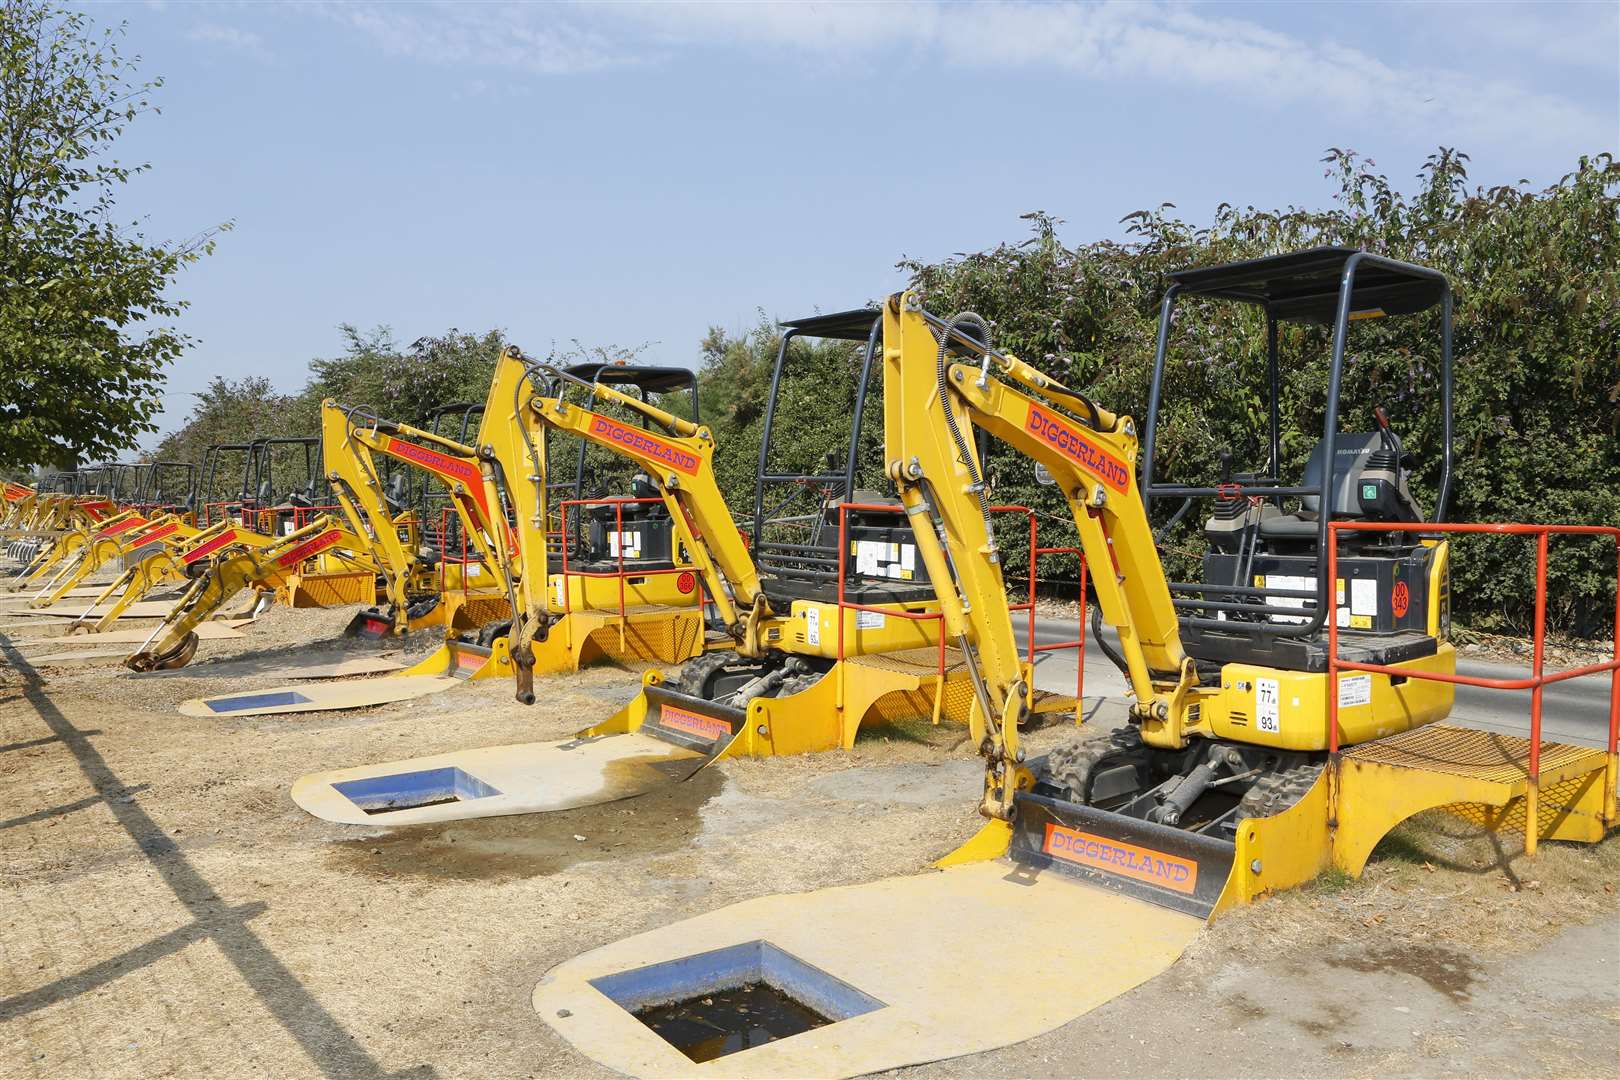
x: 348, y: 448
x: 173, y: 642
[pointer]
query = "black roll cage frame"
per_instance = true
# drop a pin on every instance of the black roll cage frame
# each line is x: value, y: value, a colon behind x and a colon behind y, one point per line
x: 1271, y: 486
x: 822, y: 559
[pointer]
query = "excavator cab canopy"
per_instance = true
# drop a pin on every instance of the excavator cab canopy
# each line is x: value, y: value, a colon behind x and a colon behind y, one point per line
x: 796, y: 515
x: 1263, y: 596
x: 674, y: 389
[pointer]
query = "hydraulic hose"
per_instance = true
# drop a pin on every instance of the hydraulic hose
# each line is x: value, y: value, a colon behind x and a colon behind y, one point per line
x: 963, y: 450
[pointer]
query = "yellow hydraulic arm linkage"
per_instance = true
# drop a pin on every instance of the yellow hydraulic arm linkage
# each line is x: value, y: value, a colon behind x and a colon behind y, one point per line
x: 235, y: 567
x: 517, y: 419
x: 350, y: 438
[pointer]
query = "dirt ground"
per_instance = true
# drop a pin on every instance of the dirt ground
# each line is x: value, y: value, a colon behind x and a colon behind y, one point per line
x: 166, y: 910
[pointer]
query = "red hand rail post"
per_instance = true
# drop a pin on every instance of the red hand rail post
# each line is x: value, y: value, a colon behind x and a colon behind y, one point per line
x: 1611, y: 771
x: 1333, y: 646
x: 1080, y: 660
x: 843, y: 546
x: 1532, y: 789
x: 618, y: 531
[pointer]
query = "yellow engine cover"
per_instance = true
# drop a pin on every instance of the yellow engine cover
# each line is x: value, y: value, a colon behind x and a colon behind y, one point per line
x: 1288, y: 710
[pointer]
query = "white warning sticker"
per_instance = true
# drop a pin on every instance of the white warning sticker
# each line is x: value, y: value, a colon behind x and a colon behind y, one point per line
x: 1267, y: 706
x: 869, y: 620
x: 812, y: 626
x: 1355, y: 690
x: 1363, y: 596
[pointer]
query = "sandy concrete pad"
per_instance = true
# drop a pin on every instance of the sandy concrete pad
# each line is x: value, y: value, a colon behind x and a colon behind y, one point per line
x: 21, y: 599
x: 338, y: 669
x: 218, y: 630
x: 342, y: 669
x: 319, y: 697
x: 80, y: 656
x: 141, y: 609
x: 523, y: 779
x: 961, y: 961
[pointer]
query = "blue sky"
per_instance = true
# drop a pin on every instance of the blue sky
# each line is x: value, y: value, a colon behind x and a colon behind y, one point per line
x: 629, y: 173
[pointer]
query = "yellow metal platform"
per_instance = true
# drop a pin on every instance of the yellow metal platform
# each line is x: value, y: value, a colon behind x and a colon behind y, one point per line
x: 1481, y: 776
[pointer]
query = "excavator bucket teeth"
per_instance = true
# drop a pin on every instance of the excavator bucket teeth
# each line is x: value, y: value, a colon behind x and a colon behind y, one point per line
x: 1174, y: 868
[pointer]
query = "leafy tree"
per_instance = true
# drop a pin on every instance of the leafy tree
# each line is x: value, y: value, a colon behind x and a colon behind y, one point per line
x: 83, y: 298
x: 402, y: 383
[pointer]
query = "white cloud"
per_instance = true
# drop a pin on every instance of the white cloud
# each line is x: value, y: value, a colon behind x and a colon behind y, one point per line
x: 1195, y: 48
x: 231, y: 38
x: 537, y: 38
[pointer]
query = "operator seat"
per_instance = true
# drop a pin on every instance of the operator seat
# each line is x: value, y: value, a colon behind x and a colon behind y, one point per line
x: 1369, y: 484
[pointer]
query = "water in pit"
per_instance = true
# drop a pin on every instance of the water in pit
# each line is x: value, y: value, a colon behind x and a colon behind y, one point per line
x: 714, y: 1025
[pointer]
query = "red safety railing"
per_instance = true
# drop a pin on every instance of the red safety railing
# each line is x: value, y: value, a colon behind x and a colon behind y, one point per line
x: 1035, y: 552
x: 699, y: 594
x: 220, y: 511
x: 469, y: 556
x: 265, y: 520
x: 1079, y: 643
x: 1539, y: 677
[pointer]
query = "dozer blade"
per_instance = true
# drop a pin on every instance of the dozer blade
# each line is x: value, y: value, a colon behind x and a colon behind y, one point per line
x: 1174, y: 868
x: 370, y: 624
x: 656, y: 740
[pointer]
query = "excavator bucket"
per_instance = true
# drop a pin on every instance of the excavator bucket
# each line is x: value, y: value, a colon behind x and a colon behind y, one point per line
x: 1175, y: 868
x: 646, y: 745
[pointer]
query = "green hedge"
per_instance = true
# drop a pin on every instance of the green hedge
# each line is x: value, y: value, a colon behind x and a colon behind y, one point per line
x: 1537, y: 373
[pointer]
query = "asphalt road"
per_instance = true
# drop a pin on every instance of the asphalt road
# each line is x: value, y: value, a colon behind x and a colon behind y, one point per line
x: 1576, y: 711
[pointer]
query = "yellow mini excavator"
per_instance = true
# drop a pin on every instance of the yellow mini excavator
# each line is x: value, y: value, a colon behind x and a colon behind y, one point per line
x: 241, y: 563
x: 598, y: 578
x: 352, y: 438
x: 1228, y: 679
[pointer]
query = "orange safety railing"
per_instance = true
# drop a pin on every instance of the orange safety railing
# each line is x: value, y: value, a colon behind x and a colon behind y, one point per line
x: 698, y: 592
x: 1035, y: 552
x: 1539, y: 677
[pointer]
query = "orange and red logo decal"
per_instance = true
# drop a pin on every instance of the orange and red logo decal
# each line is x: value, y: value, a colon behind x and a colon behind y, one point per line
x: 639, y: 442
x: 310, y: 547
x: 1400, y: 599
x: 1071, y: 443
x: 209, y: 547
x: 442, y: 465
x: 1121, y: 859
x: 692, y: 723
x: 158, y: 533
x: 124, y: 526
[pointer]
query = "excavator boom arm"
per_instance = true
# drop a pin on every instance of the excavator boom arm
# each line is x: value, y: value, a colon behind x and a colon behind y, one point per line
x: 941, y: 381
